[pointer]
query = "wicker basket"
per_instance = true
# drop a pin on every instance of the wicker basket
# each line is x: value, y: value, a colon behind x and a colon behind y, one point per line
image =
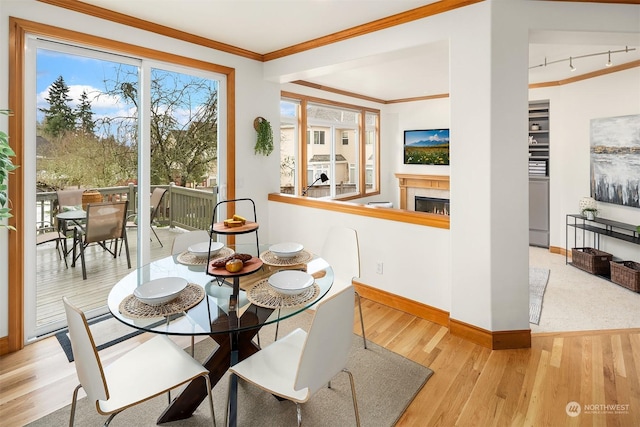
x: 592, y: 260
x: 627, y: 274
x: 90, y: 196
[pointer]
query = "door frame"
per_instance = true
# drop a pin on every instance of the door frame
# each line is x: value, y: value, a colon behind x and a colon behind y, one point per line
x: 18, y: 30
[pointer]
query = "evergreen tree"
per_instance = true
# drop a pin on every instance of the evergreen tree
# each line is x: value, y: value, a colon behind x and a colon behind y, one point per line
x: 84, y: 115
x: 59, y: 117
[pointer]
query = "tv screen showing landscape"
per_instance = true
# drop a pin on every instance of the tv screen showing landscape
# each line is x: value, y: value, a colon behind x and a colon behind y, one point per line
x: 426, y: 147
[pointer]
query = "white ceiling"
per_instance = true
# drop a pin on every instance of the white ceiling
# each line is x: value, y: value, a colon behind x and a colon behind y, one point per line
x: 264, y: 26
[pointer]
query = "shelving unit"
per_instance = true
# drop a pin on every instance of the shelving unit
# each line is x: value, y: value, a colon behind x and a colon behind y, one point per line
x: 539, y: 173
x: 599, y: 227
x: 539, y: 138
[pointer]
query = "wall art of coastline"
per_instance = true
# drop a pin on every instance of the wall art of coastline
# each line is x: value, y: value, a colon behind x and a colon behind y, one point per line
x: 615, y: 160
x: 426, y: 147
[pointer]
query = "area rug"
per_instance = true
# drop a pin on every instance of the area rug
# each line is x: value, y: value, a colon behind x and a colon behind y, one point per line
x: 538, y: 279
x: 386, y: 383
x: 106, y: 331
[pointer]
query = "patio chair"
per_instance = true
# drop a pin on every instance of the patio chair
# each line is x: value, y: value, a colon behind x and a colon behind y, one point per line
x: 105, y: 221
x: 296, y: 366
x: 156, y: 199
x: 46, y: 233
x: 132, y: 378
x: 68, y: 200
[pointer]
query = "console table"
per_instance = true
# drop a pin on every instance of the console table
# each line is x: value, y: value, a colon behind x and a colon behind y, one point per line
x: 599, y: 227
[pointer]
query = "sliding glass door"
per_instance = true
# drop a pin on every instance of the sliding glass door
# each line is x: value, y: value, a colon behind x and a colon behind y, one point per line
x: 119, y: 126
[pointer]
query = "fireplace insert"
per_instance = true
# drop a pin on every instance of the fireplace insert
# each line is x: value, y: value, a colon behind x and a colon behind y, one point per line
x: 432, y: 205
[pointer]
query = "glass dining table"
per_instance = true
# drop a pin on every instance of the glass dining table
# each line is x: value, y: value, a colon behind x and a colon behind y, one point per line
x: 229, y: 307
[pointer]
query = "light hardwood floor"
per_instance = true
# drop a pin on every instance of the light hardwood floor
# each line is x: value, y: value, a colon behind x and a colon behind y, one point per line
x: 471, y: 386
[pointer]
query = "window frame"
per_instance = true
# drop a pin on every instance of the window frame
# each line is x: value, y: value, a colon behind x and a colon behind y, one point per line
x: 302, y: 172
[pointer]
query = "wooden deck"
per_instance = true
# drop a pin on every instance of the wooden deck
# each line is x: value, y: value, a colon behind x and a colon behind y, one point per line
x: 54, y: 280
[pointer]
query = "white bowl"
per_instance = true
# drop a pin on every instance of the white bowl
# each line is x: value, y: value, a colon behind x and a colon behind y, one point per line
x: 286, y: 250
x: 160, y: 291
x: 291, y: 282
x: 202, y: 250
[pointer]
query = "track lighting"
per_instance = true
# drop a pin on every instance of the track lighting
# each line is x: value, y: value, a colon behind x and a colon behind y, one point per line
x: 572, y: 58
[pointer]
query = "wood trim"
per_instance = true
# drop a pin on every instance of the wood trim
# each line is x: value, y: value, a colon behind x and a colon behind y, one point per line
x: 586, y: 76
x: 338, y: 91
x: 307, y: 98
x: 407, y: 305
x: 15, y: 302
x: 400, y: 215
x: 17, y: 32
x: 4, y: 345
x: 121, y: 18
x: 421, y: 12
x: 418, y: 98
x: 498, y: 340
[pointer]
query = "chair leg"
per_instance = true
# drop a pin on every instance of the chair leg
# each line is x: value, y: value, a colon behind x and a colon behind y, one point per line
x: 84, y: 268
x: 364, y: 338
x: 299, y: 413
x: 73, y: 405
x: 210, y: 396
x: 155, y: 234
x: 353, y: 396
x: 111, y: 417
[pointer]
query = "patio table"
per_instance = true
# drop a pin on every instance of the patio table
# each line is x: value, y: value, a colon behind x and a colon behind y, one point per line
x: 227, y: 312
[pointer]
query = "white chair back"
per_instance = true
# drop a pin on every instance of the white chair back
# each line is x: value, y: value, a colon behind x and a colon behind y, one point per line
x: 341, y: 251
x: 326, y: 349
x: 182, y: 241
x: 88, y: 365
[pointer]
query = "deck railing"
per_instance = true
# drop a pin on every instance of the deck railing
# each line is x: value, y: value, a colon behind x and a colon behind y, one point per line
x: 182, y: 207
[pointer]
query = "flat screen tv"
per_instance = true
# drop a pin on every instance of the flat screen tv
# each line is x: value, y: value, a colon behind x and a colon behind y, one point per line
x: 426, y: 147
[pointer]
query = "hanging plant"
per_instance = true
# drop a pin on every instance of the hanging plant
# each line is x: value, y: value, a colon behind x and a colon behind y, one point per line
x: 6, y: 166
x: 264, y: 141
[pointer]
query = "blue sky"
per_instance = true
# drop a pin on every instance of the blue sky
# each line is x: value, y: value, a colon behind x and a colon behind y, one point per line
x: 80, y: 74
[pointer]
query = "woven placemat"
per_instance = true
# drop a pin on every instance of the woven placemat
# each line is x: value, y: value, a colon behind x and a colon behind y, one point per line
x: 269, y: 258
x: 134, y: 308
x: 187, y: 258
x: 263, y: 295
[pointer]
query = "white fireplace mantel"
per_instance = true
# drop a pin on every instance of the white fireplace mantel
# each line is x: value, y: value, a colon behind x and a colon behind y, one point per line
x: 412, y: 185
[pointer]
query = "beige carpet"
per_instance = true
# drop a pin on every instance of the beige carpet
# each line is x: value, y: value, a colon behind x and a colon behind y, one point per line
x: 385, y: 385
x: 575, y: 300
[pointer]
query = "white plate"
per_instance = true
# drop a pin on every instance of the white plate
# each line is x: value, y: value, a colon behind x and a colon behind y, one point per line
x: 286, y: 250
x: 202, y: 250
x: 291, y: 282
x: 160, y: 291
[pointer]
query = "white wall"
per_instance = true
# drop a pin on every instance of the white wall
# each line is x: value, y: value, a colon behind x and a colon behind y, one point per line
x: 416, y: 259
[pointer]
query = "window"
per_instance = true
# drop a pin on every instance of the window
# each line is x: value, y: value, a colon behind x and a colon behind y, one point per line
x: 352, y: 168
x: 318, y: 137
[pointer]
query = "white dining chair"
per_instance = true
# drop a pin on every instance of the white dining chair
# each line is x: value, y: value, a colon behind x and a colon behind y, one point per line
x: 341, y: 251
x: 299, y: 364
x: 183, y: 240
x: 149, y: 370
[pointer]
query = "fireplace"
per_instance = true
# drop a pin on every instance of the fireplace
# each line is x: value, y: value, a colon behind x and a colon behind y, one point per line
x: 432, y: 205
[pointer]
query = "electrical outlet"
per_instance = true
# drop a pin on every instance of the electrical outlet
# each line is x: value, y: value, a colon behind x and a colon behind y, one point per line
x: 379, y: 267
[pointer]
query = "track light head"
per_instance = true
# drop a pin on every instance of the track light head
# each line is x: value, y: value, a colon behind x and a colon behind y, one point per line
x: 571, y: 67
x: 609, y: 64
